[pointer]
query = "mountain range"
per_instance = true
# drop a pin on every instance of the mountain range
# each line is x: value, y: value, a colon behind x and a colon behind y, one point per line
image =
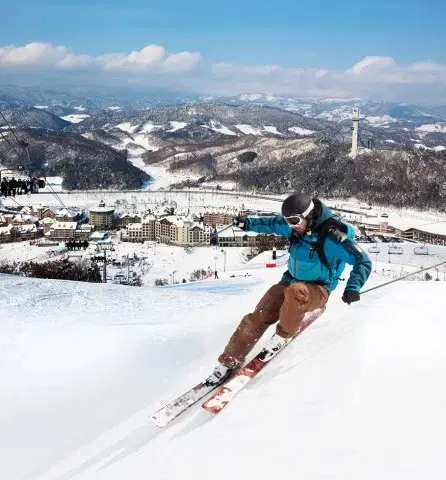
x: 267, y: 142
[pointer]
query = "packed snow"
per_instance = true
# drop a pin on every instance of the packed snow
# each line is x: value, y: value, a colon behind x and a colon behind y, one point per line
x: 359, y: 395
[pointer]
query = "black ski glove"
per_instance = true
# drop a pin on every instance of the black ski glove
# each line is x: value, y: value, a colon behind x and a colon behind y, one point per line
x: 239, y: 221
x: 350, y: 296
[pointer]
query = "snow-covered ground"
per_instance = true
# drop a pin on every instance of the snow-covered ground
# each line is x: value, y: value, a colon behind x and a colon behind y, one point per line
x: 359, y: 395
x: 24, y: 251
x: 301, y: 131
x: 432, y: 128
x: 216, y: 127
x: 272, y: 129
x: 176, y: 263
x: 76, y: 117
x: 193, y: 198
x: 176, y: 126
x: 248, y: 129
x: 379, y: 121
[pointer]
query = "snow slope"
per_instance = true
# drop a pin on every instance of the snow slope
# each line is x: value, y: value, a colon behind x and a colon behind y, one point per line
x: 248, y: 129
x: 360, y: 395
x: 301, y: 131
x: 75, y: 118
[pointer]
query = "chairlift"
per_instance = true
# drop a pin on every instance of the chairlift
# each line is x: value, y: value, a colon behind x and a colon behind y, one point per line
x: 421, y: 250
x: 374, y: 249
x: 394, y: 250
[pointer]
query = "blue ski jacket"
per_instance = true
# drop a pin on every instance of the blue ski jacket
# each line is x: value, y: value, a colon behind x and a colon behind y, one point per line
x: 305, y: 265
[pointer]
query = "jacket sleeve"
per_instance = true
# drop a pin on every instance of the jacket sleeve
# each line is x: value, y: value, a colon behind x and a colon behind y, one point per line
x: 276, y: 224
x: 350, y: 252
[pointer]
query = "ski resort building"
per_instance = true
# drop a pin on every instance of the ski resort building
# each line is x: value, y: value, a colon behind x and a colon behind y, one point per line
x: 65, y: 215
x: 127, y: 219
x: 217, y: 218
x: 101, y: 216
x: 434, y: 234
x: 69, y: 231
x: 199, y: 234
x: 172, y: 229
x: 231, y: 236
x: 62, y: 230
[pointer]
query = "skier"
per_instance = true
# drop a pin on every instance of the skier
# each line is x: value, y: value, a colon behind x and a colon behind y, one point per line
x: 320, y: 246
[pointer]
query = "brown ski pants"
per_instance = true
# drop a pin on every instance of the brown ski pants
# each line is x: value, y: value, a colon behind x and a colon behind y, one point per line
x: 284, y: 303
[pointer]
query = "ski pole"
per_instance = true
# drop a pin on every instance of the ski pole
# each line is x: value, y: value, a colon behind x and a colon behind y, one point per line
x: 401, y: 278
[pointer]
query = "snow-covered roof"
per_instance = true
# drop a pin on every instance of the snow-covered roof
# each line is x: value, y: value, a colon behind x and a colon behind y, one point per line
x: 48, y: 209
x: 47, y: 221
x: 24, y: 218
x: 63, y: 212
x: 201, y: 226
x: 26, y: 210
x: 234, y: 232
x: 98, y: 235
x: 436, y: 228
x: 64, y: 226
x: 129, y: 215
x: 6, y: 230
x: 102, y: 209
x: 176, y: 220
x: 27, y: 228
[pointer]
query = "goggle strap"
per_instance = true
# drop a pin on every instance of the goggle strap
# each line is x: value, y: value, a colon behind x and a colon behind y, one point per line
x: 308, y: 210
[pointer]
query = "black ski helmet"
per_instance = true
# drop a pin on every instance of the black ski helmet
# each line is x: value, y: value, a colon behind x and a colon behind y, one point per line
x: 296, y: 204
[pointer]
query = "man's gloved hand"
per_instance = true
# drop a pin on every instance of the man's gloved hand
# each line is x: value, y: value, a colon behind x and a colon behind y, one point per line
x: 351, y: 296
x: 239, y: 221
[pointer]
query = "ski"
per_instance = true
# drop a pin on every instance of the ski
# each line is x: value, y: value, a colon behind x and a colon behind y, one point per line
x: 179, y: 405
x: 226, y: 392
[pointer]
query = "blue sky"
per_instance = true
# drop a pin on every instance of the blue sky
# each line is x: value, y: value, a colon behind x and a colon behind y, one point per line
x: 326, y: 33
x: 390, y: 49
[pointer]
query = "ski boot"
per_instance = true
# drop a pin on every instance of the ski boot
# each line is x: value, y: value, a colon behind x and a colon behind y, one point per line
x: 273, y: 347
x: 219, y: 375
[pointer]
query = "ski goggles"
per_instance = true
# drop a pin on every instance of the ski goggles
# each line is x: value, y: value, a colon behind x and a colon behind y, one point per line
x: 298, y: 218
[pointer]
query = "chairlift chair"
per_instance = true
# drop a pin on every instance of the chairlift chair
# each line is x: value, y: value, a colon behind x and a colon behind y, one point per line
x: 394, y: 250
x: 421, y: 250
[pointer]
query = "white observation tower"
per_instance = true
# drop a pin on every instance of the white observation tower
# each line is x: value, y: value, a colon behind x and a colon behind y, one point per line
x: 355, y: 133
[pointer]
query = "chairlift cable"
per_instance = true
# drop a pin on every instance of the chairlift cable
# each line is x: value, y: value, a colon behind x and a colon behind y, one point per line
x: 9, y: 143
x: 24, y: 145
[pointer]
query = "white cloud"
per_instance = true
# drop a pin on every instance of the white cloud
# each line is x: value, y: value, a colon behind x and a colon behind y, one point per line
x: 380, y: 77
x: 370, y: 65
x: 180, y: 62
x: 31, y: 55
x: 70, y: 61
x: 152, y: 58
